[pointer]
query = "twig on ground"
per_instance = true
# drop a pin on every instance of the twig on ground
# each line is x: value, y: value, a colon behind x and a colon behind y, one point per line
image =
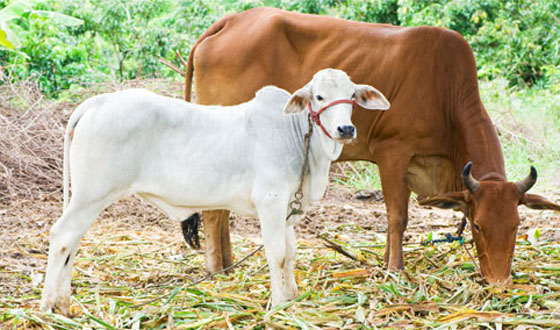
x: 330, y: 244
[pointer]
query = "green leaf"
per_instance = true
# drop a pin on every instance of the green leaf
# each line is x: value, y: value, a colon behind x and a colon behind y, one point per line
x: 15, y: 10
x: 5, y: 36
x: 173, y: 294
x: 58, y: 18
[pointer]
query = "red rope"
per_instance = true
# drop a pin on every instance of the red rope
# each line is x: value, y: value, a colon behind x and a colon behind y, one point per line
x: 315, y: 114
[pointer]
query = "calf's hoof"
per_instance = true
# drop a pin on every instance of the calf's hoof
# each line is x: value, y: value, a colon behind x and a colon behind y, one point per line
x: 52, y: 306
x: 291, y: 292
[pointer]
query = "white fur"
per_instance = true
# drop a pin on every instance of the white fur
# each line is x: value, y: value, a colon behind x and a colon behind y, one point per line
x: 185, y: 158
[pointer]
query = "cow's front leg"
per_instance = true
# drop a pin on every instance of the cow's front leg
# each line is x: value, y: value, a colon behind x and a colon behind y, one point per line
x: 271, y: 209
x: 216, y: 233
x: 396, y: 195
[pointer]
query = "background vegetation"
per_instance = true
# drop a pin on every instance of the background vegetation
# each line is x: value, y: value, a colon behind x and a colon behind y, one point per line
x: 66, y: 45
x: 102, y: 40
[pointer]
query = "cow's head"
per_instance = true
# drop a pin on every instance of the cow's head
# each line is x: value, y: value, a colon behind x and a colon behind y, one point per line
x: 491, y: 207
x: 322, y: 95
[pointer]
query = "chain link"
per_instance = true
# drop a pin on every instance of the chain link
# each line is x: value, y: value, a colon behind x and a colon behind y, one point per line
x: 295, y: 205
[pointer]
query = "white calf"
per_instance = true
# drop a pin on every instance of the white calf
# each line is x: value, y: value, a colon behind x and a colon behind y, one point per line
x: 185, y: 158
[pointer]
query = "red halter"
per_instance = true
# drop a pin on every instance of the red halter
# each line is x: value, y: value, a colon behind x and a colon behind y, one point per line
x: 315, y: 115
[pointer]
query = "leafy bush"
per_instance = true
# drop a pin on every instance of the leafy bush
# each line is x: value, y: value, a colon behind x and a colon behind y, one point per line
x: 516, y: 40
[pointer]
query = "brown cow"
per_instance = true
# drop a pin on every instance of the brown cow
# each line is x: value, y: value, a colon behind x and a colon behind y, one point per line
x: 436, y: 125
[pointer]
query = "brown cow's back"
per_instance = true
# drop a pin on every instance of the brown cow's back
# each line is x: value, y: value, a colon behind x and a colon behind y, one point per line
x: 427, y: 73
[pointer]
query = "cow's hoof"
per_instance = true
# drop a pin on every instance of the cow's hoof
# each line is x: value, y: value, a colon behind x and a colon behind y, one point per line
x: 394, y: 269
x: 213, y: 267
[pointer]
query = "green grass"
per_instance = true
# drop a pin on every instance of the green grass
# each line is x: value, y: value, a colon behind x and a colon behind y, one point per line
x: 528, y: 122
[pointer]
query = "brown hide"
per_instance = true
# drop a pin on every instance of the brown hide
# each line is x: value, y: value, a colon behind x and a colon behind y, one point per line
x: 435, y: 125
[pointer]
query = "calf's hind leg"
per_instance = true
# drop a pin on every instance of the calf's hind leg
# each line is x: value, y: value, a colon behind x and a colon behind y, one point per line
x: 290, y: 285
x: 65, y: 238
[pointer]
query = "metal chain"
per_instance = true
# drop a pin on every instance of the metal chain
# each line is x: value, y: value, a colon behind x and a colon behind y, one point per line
x: 295, y: 205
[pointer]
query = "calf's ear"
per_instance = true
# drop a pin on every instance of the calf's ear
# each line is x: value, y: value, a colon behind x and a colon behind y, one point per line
x: 370, y: 98
x: 452, y: 200
x: 538, y: 202
x: 299, y: 100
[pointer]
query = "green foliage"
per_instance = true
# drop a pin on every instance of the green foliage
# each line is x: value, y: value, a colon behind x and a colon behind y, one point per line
x: 528, y: 124
x: 516, y: 40
x: 9, y: 13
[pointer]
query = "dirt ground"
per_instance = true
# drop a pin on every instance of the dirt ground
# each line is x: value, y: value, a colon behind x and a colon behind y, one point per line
x: 25, y: 226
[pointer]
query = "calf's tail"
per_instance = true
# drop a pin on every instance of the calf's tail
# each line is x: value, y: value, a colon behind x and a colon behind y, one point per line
x: 68, y: 134
x: 190, y: 230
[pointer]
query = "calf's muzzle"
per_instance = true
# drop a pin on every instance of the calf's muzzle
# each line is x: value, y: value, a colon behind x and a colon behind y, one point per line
x: 347, y: 131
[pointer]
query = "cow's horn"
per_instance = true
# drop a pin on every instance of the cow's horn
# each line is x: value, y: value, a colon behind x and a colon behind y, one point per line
x: 524, y: 185
x: 468, y: 181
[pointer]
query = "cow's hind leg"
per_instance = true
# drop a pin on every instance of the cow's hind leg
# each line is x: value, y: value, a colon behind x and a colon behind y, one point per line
x: 227, y: 257
x: 64, y: 240
x: 216, y: 236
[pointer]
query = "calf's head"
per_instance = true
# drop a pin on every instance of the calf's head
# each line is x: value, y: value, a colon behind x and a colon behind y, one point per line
x: 330, y: 98
x: 491, y: 207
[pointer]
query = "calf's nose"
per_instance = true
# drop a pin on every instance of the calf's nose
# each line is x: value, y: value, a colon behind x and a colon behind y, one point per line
x: 346, y: 131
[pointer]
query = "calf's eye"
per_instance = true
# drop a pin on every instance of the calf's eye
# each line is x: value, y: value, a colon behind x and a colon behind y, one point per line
x: 475, y: 225
x: 319, y: 98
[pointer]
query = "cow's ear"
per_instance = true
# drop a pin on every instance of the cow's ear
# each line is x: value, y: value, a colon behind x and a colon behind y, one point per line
x: 370, y: 98
x: 299, y: 100
x: 452, y: 200
x: 538, y: 202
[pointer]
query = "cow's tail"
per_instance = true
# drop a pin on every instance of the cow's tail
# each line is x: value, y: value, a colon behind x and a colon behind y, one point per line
x: 212, y: 30
x: 72, y: 122
x: 190, y: 230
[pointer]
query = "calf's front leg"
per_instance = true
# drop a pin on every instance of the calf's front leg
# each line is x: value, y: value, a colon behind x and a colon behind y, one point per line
x: 271, y: 209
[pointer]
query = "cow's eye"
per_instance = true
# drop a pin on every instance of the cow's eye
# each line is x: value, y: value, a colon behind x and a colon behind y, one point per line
x: 475, y: 225
x: 319, y: 98
x: 354, y: 96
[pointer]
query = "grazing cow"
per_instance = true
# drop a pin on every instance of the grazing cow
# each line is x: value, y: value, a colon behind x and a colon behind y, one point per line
x: 436, y: 125
x: 184, y: 157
